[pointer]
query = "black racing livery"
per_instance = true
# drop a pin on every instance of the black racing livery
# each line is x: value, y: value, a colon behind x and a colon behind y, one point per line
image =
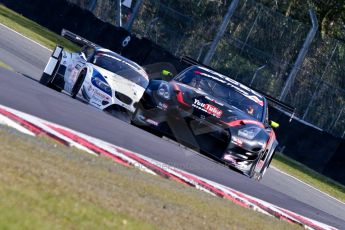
x: 213, y: 114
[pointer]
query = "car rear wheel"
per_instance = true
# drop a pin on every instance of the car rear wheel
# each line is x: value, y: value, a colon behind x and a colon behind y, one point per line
x: 51, y: 69
x: 45, y: 79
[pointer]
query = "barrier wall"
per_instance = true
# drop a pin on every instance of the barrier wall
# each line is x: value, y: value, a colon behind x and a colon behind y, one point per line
x: 312, y: 147
x: 317, y: 149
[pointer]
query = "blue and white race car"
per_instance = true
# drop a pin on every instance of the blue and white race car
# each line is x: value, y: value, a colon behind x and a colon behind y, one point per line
x: 103, y: 78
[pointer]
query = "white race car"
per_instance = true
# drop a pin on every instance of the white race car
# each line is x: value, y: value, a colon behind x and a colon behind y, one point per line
x: 103, y: 78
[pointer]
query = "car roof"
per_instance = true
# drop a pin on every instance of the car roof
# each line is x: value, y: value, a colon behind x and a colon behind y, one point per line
x: 230, y: 81
x: 132, y: 63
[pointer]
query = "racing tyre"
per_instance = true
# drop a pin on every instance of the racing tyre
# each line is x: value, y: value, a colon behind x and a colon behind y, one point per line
x: 45, y: 79
x: 258, y: 168
x: 49, y: 72
x: 78, y: 83
x: 259, y: 171
x: 135, y: 118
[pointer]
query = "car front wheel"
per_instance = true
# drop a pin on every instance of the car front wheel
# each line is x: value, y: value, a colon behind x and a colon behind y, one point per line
x: 78, y: 83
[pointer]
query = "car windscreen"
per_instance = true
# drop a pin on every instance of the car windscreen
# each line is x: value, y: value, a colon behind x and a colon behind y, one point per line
x: 223, y: 90
x: 121, y: 67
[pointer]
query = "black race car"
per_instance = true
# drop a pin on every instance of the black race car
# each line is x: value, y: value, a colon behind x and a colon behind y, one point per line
x: 214, y: 114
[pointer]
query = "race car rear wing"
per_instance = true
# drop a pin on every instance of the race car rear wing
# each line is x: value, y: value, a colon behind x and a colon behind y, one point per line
x: 271, y: 100
x: 192, y: 61
x: 281, y: 105
x: 77, y: 39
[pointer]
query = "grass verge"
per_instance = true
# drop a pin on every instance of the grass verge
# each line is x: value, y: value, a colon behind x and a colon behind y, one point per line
x: 33, y: 30
x: 45, y: 185
x: 309, y: 176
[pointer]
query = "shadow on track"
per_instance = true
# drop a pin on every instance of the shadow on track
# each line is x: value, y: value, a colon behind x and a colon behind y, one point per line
x: 37, y: 80
x: 29, y: 77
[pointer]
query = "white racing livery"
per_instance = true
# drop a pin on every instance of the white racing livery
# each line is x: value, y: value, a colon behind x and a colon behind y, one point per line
x: 103, y: 78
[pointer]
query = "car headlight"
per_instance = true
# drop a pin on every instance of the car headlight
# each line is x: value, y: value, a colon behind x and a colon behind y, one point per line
x: 164, y: 91
x: 102, y: 85
x: 249, y: 132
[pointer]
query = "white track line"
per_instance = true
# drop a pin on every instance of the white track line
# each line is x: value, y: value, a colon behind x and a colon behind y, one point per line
x: 8, y: 122
x: 326, y: 194
x: 25, y: 37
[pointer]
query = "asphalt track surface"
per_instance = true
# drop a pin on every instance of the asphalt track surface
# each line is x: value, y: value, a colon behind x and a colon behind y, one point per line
x: 21, y: 90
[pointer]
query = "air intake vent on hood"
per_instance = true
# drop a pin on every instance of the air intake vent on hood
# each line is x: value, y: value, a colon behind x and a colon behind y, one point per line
x: 125, y: 99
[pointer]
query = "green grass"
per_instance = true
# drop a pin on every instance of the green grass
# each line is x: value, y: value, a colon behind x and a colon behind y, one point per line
x: 4, y: 65
x: 45, y: 185
x: 33, y: 30
x: 309, y: 176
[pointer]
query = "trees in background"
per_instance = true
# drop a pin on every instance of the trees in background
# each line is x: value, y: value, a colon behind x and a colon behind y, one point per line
x: 259, y: 47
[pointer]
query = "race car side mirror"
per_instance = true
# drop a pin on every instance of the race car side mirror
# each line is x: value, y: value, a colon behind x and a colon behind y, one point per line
x: 167, y: 73
x: 274, y: 124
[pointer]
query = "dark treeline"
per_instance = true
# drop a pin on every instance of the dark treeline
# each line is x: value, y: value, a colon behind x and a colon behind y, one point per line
x: 258, y: 48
